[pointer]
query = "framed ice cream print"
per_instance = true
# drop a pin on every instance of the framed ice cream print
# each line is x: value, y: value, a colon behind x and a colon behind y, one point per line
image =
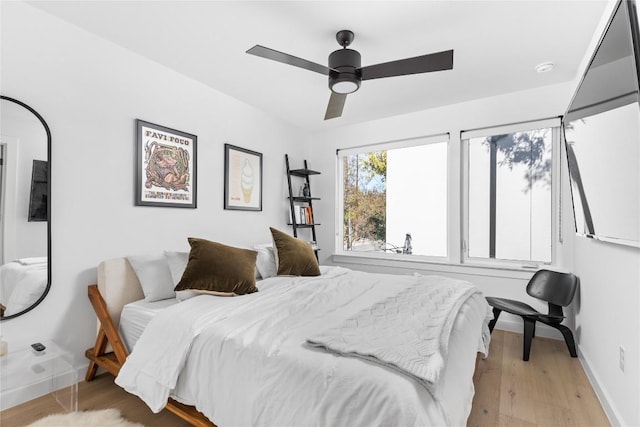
x: 166, y: 166
x: 242, y: 179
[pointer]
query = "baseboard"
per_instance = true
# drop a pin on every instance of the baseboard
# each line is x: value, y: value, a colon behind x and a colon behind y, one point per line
x: 609, y: 410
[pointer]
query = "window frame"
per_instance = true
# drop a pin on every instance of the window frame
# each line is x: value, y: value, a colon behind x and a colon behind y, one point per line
x: 339, y: 192
x: 556, y: 178
x: 457, y: 260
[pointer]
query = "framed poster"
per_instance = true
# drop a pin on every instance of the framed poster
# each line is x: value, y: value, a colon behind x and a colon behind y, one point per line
x: 165, y: 166
x: 242, y: 179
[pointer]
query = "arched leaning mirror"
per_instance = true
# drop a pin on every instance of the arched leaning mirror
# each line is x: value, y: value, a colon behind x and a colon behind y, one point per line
x: 25, y: 208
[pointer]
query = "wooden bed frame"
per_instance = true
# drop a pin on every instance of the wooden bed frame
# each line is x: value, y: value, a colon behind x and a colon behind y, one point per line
x: 109, y: 351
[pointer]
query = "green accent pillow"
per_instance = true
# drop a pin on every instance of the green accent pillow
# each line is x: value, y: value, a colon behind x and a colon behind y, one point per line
x: 294, y: 257
x: 218, y: 269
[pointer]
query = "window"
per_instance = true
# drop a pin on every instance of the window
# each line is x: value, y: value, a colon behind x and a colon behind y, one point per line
x: 394, y: 198
x: 509, y: 193
x: 488, y: 199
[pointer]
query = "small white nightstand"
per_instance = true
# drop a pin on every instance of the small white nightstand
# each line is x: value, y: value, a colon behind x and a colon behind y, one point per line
x: 26, y: 374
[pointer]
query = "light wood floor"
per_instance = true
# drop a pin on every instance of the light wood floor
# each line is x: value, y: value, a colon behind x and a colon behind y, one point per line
x: 549, y: 390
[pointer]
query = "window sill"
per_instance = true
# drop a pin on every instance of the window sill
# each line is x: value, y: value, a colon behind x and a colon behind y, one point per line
x: 418, y: 264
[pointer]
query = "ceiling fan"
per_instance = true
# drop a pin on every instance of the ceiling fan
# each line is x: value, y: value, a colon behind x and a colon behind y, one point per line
x: 345, y: 72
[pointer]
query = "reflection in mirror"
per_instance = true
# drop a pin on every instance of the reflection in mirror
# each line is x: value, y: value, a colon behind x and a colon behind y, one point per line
x: 25, y: 208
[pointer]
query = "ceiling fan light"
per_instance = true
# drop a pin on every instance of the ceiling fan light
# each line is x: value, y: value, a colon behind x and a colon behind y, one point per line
x: 345, y: 87
x: 344, y: 77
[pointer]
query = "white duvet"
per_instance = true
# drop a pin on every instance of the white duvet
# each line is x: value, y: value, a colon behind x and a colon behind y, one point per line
x: 243, y: 361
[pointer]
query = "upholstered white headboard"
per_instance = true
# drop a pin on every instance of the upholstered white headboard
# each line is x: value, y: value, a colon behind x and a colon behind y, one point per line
x: 118, y: 285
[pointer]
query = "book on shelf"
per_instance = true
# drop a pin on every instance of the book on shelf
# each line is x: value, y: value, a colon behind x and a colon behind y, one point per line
x: 303, y: 215
x: 297, y: 218
x: 309, y: 215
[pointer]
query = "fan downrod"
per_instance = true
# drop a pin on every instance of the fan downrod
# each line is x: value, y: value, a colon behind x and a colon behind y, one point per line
x: 344, y: 37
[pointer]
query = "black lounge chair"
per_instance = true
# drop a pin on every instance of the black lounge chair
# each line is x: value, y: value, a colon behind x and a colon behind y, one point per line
x: 557, y: 289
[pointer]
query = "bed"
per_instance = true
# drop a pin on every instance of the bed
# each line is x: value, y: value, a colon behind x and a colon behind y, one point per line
x: 22, y: 282
x: 259, y: 359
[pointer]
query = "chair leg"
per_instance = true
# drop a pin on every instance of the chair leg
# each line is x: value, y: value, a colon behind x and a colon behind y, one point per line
x: 492, y: 322
x: 568, y: 338
x: 534, y: 330
x: 529, y: 328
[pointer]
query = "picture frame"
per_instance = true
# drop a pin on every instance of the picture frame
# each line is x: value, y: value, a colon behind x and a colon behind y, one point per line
x: 166, y: 166
x: 242, y: 179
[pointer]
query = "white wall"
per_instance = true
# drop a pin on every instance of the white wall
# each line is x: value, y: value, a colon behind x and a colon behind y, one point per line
x: 90, y: 92
x: 607, y: 317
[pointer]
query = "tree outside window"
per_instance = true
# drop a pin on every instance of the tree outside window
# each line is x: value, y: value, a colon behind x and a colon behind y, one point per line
x: 395, y: 200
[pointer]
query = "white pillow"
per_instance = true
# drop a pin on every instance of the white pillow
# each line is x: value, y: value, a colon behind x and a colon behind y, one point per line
x: 266, y: 260
x: 154, y: 276
x: 177, y: 262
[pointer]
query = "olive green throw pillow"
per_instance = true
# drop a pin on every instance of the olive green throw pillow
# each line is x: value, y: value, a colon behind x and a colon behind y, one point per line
x: 294, y: 257
x: 219, y: 269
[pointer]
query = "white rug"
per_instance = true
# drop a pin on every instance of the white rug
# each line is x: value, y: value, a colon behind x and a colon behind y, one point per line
x: 102, y: 418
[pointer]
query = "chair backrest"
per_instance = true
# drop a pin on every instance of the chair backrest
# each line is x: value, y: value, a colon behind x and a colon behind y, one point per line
x: 554, y: 287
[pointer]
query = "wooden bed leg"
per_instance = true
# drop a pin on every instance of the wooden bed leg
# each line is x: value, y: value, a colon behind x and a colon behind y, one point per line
x: 112, y: 362
x: 189, y: 414
x: 107, y: 333
x: 98, y: 349
x: 107, y: 325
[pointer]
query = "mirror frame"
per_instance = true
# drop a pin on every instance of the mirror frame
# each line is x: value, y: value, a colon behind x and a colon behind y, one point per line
x: 48, y: 131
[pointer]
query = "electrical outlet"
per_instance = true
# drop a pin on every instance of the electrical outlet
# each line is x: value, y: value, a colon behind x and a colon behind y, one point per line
x: 622, y: 358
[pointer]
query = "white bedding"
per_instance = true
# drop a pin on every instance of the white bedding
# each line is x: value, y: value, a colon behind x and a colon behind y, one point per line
x: 136, y: 315
x: 21, y: 284
x: 244, y: 360
x: 408, y: 331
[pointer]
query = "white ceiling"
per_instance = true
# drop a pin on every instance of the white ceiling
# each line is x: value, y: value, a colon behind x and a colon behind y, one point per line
x: 496, y: 44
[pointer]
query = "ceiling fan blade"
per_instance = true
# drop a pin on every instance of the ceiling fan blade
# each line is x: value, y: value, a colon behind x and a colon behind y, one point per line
x: 336, y: 104
x: 275, y: 55
x: 420, y: 64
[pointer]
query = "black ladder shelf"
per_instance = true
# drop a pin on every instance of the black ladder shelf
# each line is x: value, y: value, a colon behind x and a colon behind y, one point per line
x: 296, y: 202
